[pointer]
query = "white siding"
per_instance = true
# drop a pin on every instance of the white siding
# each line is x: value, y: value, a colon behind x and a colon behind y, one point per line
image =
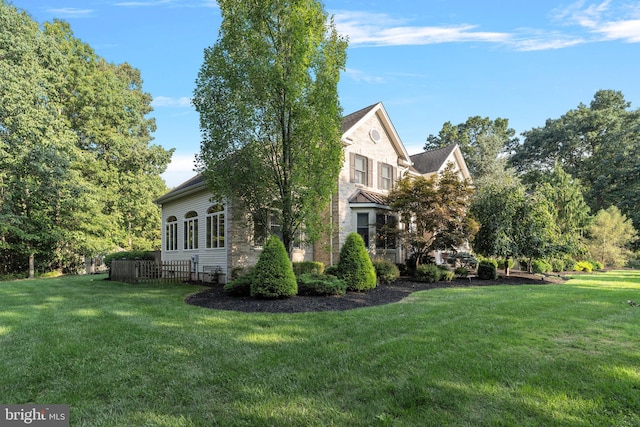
x: 200, y: 203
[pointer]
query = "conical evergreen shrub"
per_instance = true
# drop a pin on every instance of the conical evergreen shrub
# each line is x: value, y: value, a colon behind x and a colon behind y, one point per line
x: 355, y: 266
x: 273, y: 274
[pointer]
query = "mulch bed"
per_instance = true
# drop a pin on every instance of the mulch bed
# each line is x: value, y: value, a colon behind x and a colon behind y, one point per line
x: 215, y: 298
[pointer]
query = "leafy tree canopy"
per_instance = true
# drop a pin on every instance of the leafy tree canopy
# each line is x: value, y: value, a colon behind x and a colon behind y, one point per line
x: 434, y: 211
x: 609, y: 237
x: 269, y: 111
x: 598, y: 144
x: 74, y: 147
x: 481, y: 140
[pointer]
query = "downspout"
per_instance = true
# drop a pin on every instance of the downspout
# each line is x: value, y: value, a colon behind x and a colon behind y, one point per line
x: 331, y: 231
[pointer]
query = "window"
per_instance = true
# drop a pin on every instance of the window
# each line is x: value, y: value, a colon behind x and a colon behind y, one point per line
x: 361, y: 170
x: 191, y: 230
x: 262, y: 232
x: 362, y: 227
x: 386, y: 176
x: 386, y: 231
x: 171, y: 234
x: 215, y: 227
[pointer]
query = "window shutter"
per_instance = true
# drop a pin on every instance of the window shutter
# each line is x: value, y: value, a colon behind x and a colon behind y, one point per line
x: 379, y: 175
x: 352, y: 167
x: 370, y: 172
x: 394, y: 176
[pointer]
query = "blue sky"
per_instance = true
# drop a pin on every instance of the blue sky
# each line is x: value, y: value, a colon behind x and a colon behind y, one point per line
x: 428, y: 61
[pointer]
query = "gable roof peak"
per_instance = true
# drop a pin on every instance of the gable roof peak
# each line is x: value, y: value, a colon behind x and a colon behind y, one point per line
x: 350, y: 120
x: 431, y: 161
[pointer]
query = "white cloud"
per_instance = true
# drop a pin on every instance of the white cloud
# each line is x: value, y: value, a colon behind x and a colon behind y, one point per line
x: 172, y: 3
x: 604, y: 21
x: 532, y: 40
x: 179, y: 170
x: 165, y: 101
x: 621, y: 30
x: 375, y: 29
x: 144, y: 3
x: 70, y: 12
x: 361, y: 76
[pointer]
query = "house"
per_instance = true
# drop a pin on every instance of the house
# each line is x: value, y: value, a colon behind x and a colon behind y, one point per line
x: 217, y: 237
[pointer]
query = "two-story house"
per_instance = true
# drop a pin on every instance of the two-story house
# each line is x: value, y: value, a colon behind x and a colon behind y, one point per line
x: 215, y: 235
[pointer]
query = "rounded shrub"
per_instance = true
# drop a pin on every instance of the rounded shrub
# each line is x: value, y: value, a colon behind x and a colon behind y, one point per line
x: 306, y: 267
x: 314, y: 284
x: 355, y: 266
x: 331, y: 270
x: 488, y: 269
x: 273, y: 274
x: 540, y: 266
x: 427, y: 273
x: 583, y: 266
x: 386, y: 271
x: 240, y: 286
x: 446, y: 275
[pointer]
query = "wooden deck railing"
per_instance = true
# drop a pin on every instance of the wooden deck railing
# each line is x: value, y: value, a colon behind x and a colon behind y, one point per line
x: 143, y: 271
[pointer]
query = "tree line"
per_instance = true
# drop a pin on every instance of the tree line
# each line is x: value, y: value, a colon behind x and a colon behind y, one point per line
x: 570, y: 188
x: 78, y: 172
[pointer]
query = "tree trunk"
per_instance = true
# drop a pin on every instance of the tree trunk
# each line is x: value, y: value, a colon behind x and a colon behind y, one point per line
x: 506, y: 266
x: 32, y: 266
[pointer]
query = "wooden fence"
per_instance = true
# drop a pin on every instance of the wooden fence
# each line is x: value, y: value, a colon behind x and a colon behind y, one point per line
x: 143, y: 271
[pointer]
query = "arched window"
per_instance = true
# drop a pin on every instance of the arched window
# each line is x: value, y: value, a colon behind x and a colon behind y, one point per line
x: 171, y: 234
x: 215, y: 227
x: 191, y: 230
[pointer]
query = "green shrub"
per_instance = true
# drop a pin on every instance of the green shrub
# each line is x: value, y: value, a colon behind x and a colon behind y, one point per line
x: 386, y: 271
x: 461, y: 272
x: 240, y: 286
x: 306, y: 267
x: 274, y: 276
x: 557, y: 265
x: 355, y: 266
x: 597, y: 265
x: 314, y: 284
x: 488, y: 269
x: 501, y: 263
x: 583, y: 266
x: 540, y: 266
x: 428, y: 273
x: 447, y: 275
x: 131, y: 255
x: 402, y: 268
x: 331, y: 270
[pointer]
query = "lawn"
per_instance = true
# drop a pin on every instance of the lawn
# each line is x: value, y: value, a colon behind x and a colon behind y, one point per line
x: 118, y: 354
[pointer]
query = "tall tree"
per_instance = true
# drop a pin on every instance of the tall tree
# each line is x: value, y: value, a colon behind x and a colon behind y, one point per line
x: 482, y: 141
x: 597, y: 144
x: 269, y: 111
x: 434, y: 211
x: 74, y: 147
x: 568, y: 207
x: 609, y: 237
x: 512, y: 222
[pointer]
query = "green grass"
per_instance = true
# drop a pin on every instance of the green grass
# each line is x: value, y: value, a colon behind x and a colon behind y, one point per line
x: 566, y: 355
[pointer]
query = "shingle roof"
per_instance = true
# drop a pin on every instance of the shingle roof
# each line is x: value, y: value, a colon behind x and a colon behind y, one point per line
x: 190, y: 184
x: 364, y: 196
x: 347, y: 122
x: 431, y: 161
x: 351, y: 119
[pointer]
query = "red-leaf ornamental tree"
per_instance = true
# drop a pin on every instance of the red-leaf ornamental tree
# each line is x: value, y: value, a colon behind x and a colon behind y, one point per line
x: 434, y: 211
